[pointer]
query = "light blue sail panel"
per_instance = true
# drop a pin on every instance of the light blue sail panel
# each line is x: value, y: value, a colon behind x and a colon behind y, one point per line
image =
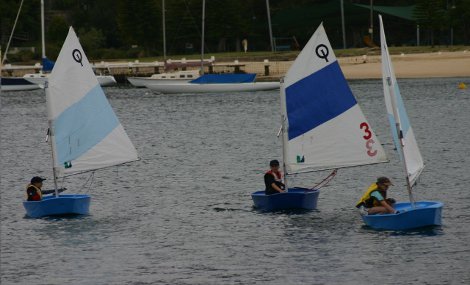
x: 316, y: 99
x: 404, y: 121
x: 83, y: 125
x: 396, y: 141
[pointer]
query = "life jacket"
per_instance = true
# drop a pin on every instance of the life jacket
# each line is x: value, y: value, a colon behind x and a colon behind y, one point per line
x: 366, y: 199
x: 276, y: 174
x: 37, y: 196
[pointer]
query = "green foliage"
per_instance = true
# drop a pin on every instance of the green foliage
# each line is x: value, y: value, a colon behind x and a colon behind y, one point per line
x: 27, y: 28
x: 430, y: 13
x: 22, y: 56
x: 91, y: 40
x: 139, y: 23
x: 57, y: 30
x: 110, y: 28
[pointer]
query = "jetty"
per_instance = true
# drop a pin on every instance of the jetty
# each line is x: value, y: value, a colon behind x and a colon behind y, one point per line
x: 121, y: 69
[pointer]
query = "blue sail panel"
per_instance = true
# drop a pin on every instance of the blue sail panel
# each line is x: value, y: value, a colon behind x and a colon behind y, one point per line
x: 75, y: 137
x: 316, y: 99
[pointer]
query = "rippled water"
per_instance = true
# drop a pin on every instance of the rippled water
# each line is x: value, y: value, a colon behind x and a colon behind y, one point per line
x: 183, y: 213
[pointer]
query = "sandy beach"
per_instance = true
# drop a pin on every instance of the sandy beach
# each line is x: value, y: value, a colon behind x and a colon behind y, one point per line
x: 422, y: 65
x: 443, y: 64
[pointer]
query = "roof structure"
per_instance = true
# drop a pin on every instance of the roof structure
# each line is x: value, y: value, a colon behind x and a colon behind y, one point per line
x: 404, y: 12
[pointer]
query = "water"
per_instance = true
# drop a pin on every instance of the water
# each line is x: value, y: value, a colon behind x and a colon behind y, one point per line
x: 183, y: 213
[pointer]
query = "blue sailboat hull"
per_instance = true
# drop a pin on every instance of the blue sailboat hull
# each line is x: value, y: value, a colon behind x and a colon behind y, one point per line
x: 295, y: 198
x: 425, y: 213
x: 69, y: 204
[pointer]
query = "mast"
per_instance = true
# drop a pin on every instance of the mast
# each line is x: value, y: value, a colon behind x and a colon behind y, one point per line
x: 284, y: 132
x: 271, y: 43
x: 396, y: 115
x: 164, y: 30
x: 43, y: 41
x: 51, y: 130
x: 202, y: 35
x: 51, y: 139
x: 342, y: 24
x: 12, y: 32
x: 399, y: 133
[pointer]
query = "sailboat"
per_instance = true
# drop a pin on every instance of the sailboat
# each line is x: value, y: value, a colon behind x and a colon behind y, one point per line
x: 208, y: 83
x: 14, y: 83
x: 84, y: 133
x: 167, y: 77
x: 323, y: 127
x: 41, y: 78
x: 410, y: 214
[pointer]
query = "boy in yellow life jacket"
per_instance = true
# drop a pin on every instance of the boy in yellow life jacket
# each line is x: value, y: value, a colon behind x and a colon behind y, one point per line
x: 374, y: 201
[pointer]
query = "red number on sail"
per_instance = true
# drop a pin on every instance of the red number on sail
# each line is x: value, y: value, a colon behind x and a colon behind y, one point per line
x: 369, y: 145
x: 365, y: 126
x: 368, y: 137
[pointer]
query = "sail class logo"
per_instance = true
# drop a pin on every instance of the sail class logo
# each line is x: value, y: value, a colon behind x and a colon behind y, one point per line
x: 300, y: 159
x: 322, y: 52
x: 77, y: 56
x: 68, y: 164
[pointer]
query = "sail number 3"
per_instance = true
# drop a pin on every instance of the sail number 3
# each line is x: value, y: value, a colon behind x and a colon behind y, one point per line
x: 368, y: 138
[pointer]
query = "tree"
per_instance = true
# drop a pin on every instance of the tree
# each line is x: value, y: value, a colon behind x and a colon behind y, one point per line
x: 139, y: 23
x: 431, y: 15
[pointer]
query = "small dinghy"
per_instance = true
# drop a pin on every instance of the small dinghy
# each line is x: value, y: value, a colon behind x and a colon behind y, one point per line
x: 409, y: 216
x: 295, y: 198
x: 84, y: 133
x: 323, y: 127
x: 413, y: 214
x: 64, y: 204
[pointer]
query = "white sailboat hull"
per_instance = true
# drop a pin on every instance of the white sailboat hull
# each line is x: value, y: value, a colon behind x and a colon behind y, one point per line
x: 141, y: 82
x: 19, y: 87
x: 16, y: 84
x: 212, y: 88
x: 41, y: 79
x: 106, y: 80
x: 36, y: 78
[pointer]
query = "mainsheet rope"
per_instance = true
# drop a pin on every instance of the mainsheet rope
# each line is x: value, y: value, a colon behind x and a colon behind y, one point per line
x: 326, y: 180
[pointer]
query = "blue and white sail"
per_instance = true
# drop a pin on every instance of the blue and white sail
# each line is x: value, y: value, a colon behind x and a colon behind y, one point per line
x: 324, y: 126
x: 86, y: 134
x: 402, y: 133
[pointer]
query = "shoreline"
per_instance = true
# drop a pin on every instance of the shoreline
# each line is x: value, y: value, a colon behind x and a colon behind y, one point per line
x: 419, y: 65
x: 425, y: 65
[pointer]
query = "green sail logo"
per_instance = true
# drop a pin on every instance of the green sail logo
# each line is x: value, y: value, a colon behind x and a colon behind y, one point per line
x: 300, y: 159
x: 68, y: 164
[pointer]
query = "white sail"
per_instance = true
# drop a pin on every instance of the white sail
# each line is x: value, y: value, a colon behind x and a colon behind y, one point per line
x: 397, y: 114
x: 86, y: 134
x: 325, y: 127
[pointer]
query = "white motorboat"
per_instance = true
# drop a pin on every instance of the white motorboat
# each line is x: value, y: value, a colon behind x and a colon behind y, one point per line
x: 165, y: 78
